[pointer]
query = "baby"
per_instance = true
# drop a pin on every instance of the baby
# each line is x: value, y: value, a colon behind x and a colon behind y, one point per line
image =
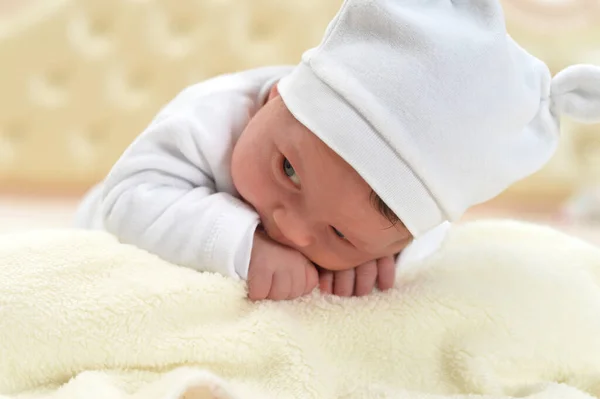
x: 407, y: 114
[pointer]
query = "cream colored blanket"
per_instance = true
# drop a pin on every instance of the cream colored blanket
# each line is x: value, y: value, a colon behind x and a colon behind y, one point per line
x: 504, y: 309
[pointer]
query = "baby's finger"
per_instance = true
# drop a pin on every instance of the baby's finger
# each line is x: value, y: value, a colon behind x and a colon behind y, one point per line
x: 366, y: 277
x: 259, y: 286
x: 298, y: 279
x: 312, y: 278
x: 326, y: 281
x: 386, y: 273
x: 281, y: 287
x: 343, y: 283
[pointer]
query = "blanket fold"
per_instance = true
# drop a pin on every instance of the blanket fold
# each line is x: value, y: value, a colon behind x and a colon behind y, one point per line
x: 503, y: 310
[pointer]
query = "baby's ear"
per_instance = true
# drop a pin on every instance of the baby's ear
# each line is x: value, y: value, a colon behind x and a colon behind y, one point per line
x: 576, y: 93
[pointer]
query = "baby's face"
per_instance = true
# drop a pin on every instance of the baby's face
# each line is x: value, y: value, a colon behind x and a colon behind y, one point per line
x: 308, y: 197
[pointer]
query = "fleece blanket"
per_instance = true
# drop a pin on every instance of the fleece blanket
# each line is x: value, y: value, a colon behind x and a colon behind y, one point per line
x: 503, y: 310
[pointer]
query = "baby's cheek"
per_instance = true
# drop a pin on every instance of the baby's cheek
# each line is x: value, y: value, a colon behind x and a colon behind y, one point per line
x: 251, y: 187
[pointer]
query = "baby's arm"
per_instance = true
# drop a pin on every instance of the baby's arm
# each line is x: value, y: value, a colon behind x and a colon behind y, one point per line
x: 161, y: 196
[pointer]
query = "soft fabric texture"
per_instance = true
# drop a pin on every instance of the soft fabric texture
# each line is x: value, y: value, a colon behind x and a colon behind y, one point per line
x: 171, y: 192
x: 433, y: 104
x: 503, y: 309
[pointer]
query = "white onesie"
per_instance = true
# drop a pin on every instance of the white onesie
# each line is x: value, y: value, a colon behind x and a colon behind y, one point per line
x: 171, y: 192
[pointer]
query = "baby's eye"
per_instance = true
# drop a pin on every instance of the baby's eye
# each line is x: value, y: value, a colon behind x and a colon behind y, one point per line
x: 337, y: 232
x: 289, y: 171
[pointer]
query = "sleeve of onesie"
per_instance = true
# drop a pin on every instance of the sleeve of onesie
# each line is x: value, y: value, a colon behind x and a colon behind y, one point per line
x: 160, y: 196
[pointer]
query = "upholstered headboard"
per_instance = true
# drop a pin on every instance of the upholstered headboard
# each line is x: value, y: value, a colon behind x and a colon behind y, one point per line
x: 79, y: 79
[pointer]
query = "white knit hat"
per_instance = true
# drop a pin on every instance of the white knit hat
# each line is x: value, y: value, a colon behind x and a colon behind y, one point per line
x: 433, y: 104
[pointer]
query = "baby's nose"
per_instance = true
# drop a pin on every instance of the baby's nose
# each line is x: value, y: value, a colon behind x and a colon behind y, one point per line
x: 293, y: 228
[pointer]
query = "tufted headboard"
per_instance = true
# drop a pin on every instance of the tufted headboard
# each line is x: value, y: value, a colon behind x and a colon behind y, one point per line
x: 80, y: 79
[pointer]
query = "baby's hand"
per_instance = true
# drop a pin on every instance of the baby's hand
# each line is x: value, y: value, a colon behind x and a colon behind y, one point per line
x: 277, y: 272
x: 361, y: 280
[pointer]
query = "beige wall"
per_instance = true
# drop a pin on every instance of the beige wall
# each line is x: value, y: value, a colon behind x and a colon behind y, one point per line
x: 81, y: 78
